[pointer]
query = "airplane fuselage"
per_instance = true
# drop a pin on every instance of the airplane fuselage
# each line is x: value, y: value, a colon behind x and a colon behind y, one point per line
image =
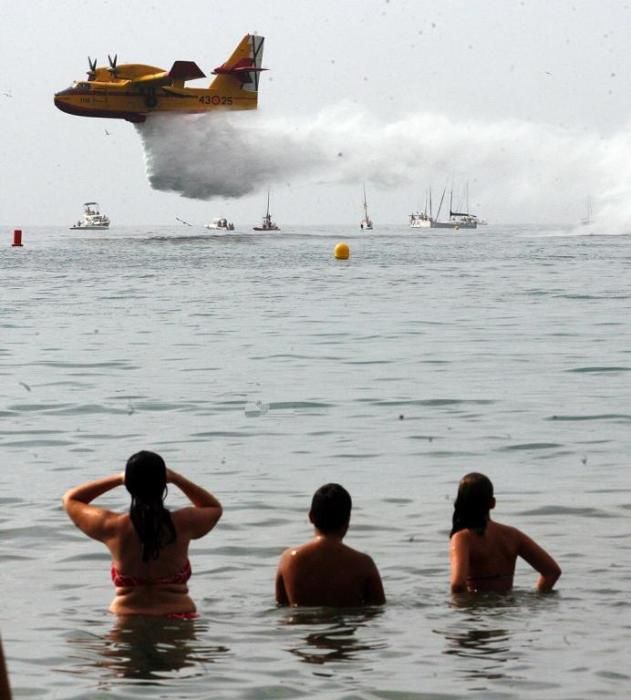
x: 106, y: 99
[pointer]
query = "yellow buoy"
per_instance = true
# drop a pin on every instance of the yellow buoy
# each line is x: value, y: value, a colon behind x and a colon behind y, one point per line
x: 342, y: 251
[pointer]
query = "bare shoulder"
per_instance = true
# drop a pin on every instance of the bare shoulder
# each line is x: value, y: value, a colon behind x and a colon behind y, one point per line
x: 290, y: 551
x: 462, y: 538
x: 507, y: 531
x: 360, y: 559
x: 289, y: 555
x: 194, y: 522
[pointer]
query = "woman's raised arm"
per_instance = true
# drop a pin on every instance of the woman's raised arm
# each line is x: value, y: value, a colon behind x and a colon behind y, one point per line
x: 203, y: 517
x: 94, y: 521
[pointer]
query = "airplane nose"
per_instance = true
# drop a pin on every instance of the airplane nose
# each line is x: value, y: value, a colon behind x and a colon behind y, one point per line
x: 62, y: 104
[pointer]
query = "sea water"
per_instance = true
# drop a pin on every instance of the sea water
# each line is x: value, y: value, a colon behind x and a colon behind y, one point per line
x: 261, y: 367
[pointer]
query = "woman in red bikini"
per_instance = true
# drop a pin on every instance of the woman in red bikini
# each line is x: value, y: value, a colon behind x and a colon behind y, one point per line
x: 483, y: 553
x: 149, y: 545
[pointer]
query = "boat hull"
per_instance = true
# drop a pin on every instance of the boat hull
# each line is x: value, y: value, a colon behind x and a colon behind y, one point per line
x: 455, y: 225
x: 89, y: 228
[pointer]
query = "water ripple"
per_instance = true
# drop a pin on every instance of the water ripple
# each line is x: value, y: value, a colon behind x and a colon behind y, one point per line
x: 597, y: 416
x: 598, y: 369
x: 529, y: 446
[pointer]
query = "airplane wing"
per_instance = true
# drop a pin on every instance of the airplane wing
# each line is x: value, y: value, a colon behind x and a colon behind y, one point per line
x: 151, y: 80
x: 180, y: 71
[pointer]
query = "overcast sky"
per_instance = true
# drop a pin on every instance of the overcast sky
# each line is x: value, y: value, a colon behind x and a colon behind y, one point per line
x: 527, y: 101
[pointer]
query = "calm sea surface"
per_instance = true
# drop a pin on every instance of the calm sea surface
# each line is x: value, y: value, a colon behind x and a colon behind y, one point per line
x: 261, y: 367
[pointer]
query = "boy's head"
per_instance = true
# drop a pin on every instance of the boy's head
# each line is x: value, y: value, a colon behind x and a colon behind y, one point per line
x: 331, y: 509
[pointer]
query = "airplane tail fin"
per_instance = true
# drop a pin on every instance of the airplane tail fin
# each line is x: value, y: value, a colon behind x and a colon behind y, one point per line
x: 241, y: 71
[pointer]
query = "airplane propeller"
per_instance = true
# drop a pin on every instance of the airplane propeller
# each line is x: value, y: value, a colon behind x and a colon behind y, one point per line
x: 92, y: 71
x: 112, y: 62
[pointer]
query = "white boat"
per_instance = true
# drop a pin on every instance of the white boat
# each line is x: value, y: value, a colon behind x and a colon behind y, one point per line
x: 425, y: 218
x: 267, y: 223
x: 457, y: 220
x: 220, y: 224
x: 92, y: 218
x: 365, y: 224
x: 420, y: 219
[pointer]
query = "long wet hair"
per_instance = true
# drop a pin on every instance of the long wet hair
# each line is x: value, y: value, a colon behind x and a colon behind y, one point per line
x: 146, y: 481
x: 473, y: 503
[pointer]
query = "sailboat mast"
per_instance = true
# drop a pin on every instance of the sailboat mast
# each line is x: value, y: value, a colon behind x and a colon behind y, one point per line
x: 440, y: 206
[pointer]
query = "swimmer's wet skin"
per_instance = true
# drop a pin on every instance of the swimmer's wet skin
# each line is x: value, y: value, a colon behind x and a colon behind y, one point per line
x: 484, y: 553
x: 325, y: 571
x: 149, y: 544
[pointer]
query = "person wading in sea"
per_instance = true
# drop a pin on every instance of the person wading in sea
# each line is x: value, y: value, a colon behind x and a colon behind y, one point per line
x: 149, y: 544
x: 325, y: 571
x: 483, y: 553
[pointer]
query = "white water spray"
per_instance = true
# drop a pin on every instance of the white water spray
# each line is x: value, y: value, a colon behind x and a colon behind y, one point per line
x: 524, y: 171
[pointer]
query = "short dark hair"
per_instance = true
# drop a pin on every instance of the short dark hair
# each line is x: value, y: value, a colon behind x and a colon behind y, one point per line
x: 331, y: 508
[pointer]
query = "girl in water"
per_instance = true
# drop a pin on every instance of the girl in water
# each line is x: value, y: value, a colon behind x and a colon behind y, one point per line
x: 483, y: 553
x: 149, y: 545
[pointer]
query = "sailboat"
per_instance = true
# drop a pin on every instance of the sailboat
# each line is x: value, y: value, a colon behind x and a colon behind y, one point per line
x: 587, y: 219
x: 366, y: 223
x: 456, y: 221
x: 425, y: 218
x: 267, y: 223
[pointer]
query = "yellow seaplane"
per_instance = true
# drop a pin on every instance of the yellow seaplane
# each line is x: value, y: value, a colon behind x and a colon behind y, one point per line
x: 132, y: 91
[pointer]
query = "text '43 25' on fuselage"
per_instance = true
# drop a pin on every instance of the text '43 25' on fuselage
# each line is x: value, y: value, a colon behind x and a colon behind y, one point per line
x: 132, y: 91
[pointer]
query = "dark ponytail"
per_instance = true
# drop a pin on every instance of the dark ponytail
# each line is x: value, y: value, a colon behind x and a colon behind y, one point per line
x: 474, y: 500
x: 145, y: 479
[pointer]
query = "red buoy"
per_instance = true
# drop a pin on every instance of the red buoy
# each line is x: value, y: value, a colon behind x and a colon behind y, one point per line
x: 17, y: 238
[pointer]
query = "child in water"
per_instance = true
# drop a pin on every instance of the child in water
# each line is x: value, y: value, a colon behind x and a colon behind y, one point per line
x: 324, y: 571
x: 483, y: 553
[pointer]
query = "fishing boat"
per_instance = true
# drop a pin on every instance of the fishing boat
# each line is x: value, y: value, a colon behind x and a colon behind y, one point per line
x: 366, y: 223
x: 267, y: 223
x: 92, y: 218
x: 220, y: 224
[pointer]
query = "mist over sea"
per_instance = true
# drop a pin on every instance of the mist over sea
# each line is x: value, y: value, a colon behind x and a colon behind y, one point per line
x: 544, y: 172
x: 262, y: 367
